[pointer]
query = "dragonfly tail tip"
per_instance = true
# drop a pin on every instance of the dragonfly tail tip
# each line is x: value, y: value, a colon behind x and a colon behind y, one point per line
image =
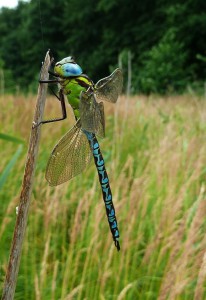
x: 117, y: 245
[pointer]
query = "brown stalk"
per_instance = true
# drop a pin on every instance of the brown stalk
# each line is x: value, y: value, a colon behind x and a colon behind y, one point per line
x: 25, y: 196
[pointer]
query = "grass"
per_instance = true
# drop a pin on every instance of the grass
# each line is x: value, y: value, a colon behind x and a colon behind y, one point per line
x: 155, y: 154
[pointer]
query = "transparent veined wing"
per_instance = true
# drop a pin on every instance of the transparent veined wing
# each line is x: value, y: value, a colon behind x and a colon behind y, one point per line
x: 92, y: 114
x: 109, y: 88
x: 69, y: 157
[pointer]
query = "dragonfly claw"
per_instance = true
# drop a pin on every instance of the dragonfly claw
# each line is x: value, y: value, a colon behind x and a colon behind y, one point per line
x: 34, y: 124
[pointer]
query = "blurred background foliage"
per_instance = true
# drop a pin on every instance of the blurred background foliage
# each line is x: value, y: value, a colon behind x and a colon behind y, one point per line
x: 166, y: 40
x: 154, y: 151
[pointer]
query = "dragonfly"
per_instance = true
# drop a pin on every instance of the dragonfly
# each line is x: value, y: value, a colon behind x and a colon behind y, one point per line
x: 74, y: 151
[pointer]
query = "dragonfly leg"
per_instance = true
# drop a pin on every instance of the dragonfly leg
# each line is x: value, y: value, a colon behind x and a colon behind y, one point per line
x: 53, y: 92
x: 49, y: 81
x: 55, y: 81
x: 64, y: 112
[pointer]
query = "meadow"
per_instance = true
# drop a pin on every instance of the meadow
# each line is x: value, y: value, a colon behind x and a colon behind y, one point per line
x: 155, y: 155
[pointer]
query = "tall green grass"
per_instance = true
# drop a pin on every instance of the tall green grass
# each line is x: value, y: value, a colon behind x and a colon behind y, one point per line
x: 155, y: 154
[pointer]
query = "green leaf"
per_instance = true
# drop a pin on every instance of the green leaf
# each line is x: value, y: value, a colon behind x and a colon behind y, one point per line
x: 9, y: 166
x: 11, y: 138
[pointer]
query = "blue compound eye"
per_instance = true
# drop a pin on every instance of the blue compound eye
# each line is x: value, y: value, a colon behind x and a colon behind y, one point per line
x: 71, y: 69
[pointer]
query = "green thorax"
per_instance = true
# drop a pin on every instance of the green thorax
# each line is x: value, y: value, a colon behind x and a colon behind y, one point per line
x: 72, y: 88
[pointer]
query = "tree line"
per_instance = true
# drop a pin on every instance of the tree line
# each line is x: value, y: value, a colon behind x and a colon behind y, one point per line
x: 164, y: 39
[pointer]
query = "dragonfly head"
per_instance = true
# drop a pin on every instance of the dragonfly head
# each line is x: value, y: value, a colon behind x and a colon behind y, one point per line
x: 67, y: 67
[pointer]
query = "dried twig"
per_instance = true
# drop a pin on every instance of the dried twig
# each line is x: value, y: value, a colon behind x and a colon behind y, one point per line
x: 25, y: 197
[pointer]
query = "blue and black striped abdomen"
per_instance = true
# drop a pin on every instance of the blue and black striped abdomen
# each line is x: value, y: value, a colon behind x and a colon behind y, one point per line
x: 106, y: 190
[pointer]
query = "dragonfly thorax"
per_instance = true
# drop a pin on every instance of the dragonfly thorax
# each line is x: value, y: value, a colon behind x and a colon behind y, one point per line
x: 73, y: 87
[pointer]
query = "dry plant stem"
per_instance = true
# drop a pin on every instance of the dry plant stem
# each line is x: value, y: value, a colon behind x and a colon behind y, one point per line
x: 25, y: 197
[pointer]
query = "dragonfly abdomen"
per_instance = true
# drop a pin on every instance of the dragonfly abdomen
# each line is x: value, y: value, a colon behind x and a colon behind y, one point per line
x: 105, y: 186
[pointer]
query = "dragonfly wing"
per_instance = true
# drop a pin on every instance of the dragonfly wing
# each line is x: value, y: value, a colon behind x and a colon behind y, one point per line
x: 69, y: 157
x: 92, y: 114
x: 109, y: 88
